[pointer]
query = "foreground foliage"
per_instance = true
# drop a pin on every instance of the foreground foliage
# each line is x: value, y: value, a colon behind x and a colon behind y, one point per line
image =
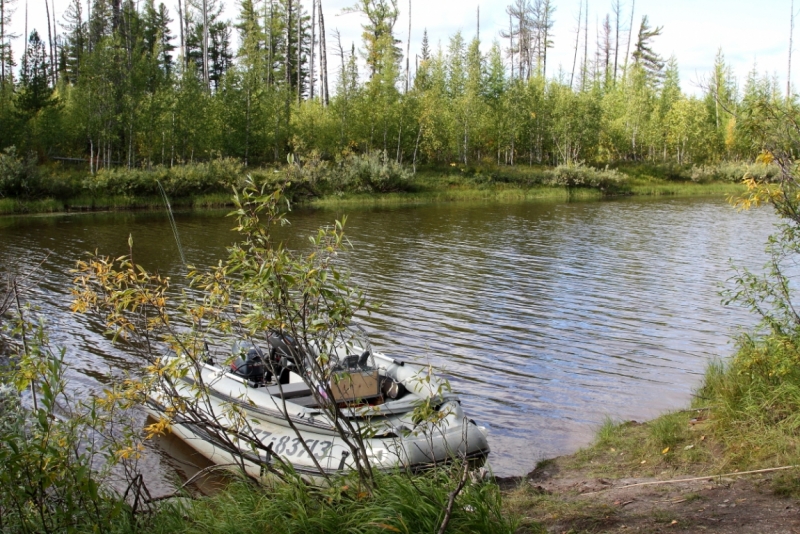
x: 60, y: 457
x: 401, y: 503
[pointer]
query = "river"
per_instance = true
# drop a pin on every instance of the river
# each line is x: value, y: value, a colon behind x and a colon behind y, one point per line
x: 546, y: 317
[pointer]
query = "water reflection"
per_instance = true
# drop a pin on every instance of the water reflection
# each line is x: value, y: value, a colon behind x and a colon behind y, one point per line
x: 546, y: 317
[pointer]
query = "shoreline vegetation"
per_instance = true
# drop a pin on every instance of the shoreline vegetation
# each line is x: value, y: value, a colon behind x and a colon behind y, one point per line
x: 116, y: 91
x: 685, y: 470
x: 368, y: 180
x: 744, y: 416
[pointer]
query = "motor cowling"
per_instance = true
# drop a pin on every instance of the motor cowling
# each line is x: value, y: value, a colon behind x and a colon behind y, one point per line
x: 284, y: 353
x: 252, y: 366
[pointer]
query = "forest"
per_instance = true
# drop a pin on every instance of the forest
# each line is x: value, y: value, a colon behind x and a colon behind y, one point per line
x: 111, y: 85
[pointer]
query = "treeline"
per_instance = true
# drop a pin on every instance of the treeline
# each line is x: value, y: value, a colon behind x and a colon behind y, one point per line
x: 117, y: 88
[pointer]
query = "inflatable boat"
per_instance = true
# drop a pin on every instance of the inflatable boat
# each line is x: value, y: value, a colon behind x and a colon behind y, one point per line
x: 270, y: 403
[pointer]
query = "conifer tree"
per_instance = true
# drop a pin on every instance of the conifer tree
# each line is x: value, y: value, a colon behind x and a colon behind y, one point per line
x: 643, y: 54
x: 6, y: 57
x: 380, y: 45
x: 76, y: 44
x: 35, y: 92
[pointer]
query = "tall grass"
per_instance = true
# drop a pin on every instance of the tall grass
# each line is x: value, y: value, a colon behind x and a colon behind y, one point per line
x: 400, y: 503
x: 686, y: 189
x: 756, y: 402
x: 457, y: 194
x: 9, y: 206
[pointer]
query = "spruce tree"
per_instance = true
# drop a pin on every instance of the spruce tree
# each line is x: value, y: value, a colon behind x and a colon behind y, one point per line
x: 643, y: 54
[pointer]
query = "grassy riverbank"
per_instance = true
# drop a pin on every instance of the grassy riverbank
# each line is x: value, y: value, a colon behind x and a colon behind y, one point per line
x: 689, y: 470
x: 426, y: 188
x: 354, y: 180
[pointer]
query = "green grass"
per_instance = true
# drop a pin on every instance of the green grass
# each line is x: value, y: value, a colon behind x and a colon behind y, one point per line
x: 431, y: 185
x: 746, y: 416
x: 687, y: 189
x: 756, y: 409
x: 672, y: 443
x: 10, y: 206
x: 501, y: 193
x: 399, y: 504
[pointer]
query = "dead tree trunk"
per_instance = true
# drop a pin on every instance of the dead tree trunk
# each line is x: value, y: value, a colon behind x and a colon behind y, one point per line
x: 323, y: 57
x: 408, y: 48
x: 577, y: 42
x: 312, y: 81
x: 299, y: 52
x: 51, y: 76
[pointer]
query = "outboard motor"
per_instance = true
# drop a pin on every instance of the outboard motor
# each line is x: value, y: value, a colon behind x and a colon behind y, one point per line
x: 284, y: 353
x: 252, y: 367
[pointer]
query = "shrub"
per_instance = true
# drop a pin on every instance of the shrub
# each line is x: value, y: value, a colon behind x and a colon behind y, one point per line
x: 372, y: 172
x: 50, y: 479
x: 179, y: 181
x: 18, y: 177
x: 580, y: 175
x: 734, y: 172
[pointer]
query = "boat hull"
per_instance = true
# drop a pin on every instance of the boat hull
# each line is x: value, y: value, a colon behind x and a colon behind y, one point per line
x: 264, y: 437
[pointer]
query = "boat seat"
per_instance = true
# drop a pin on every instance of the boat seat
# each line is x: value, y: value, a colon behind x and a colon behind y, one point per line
x: 290, y: 391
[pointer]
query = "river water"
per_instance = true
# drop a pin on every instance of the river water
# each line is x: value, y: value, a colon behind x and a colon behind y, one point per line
x: 546, y: 317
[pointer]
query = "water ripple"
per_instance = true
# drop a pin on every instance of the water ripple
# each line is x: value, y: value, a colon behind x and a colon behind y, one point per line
x: 546, y: 317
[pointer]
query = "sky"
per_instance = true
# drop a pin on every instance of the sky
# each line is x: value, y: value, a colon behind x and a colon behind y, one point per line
x: 751, y: 34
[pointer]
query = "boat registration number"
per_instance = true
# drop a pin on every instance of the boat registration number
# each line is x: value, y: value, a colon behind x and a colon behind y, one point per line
x: 289, y: 446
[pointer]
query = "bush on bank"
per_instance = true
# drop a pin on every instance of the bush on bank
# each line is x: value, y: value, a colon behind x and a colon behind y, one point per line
x: 314, y: 177
x: 179, y: 181
x: 19, y: 176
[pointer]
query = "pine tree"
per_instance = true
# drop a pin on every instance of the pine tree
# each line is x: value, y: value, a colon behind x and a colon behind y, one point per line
x: 251, y: 51
x: 643, y: 54
x: 220, y: 56
x: 6, y: 57
x: 422, y: 78
x: 157, y: 36
x: 76, y: 40
x: 543, y: 23
x: 100, y: 22
x: 35, y: 92
x: 379, y: 42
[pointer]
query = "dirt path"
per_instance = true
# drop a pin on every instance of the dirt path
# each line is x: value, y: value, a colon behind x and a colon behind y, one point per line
x: 570, y: 501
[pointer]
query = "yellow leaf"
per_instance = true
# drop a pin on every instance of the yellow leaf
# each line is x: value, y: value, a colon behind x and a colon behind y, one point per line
x: 387, y: 527
x: 665, y: 451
